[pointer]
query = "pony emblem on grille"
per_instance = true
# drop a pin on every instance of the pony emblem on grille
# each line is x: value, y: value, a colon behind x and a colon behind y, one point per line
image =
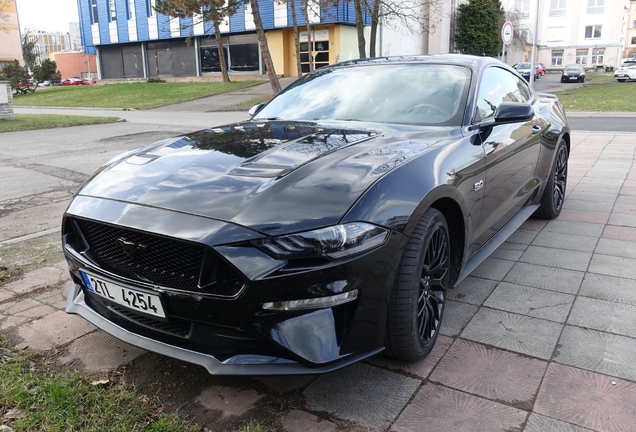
x: 130, y: 248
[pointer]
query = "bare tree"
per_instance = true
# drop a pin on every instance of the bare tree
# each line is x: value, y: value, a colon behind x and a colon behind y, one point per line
x: 309, y: 40
x: 357, y: 6
x: 299, y: 67
x: 414, y: 16
x: 204, y: 10
x: 267, y: 58
x: 522, y: 34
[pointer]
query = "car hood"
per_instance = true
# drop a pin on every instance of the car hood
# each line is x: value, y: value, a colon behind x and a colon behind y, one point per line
x: 273, y: 177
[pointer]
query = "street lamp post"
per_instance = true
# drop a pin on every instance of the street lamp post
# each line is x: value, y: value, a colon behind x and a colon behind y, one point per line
x: 534, y: 47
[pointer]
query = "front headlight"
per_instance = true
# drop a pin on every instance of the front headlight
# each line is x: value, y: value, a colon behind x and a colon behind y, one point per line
x: 564, y: 74
x: 333, y: 242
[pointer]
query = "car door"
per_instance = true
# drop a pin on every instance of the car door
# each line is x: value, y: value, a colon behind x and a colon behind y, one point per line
x: 512, y: 151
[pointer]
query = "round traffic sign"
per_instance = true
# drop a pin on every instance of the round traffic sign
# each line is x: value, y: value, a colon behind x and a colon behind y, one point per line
x: 507, y: 32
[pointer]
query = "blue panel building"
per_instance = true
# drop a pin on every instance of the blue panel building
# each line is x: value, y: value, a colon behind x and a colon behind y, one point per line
x: 132, y: 40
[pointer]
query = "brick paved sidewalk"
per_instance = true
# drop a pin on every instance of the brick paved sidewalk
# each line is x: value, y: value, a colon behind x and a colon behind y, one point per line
x: 541, y: 337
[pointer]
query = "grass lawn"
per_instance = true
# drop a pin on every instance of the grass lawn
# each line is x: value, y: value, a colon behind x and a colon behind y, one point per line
x: 599, y: 78
x: 612, y: 96
x: 24, y: 122
x: 42, y: 399
x: 129, y: 95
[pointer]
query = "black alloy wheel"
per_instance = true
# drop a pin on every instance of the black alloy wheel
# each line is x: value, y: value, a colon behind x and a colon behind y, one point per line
x: 419, y: 293
x: 554, y: 193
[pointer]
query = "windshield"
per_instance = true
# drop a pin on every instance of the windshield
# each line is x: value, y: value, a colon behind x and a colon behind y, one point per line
x: 573, y: 68
x: 523, y: 66
x: 422, y: 94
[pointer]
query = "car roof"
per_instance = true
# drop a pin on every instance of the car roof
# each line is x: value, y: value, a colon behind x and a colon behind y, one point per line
x: 473, y: 62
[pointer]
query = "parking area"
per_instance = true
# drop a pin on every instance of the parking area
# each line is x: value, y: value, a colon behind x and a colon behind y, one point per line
x: 541, y: 336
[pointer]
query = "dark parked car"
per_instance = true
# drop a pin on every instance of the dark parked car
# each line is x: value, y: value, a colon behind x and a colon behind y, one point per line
x: 573, y: 73
x: 327, y: 228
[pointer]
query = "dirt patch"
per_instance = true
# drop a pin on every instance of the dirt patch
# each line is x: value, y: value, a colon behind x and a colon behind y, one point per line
x: 23, y: 257
x: 177, y: 385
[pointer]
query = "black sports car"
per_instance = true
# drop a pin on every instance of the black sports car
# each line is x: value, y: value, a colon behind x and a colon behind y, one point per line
x: 326, y: 229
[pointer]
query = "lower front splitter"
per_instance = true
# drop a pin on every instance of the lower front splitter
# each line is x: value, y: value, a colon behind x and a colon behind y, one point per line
x: 238, y: 365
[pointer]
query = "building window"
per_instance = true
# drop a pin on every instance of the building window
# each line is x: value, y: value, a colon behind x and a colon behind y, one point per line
x: 593, y: 31
x: 556, y: 34
x: 557, y: 7
x: 523, y: 8
x: 634, y: 24
x: 581, y: 56
x: 557, y: 58
x: 598, y: 56
x: 94, y: 16
x: 633, y: 40
x: 595, y: 6
x: 112, y: 12
x: 150, y: 4
x: 131, y: 9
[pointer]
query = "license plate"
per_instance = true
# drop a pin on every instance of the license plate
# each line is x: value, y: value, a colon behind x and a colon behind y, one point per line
x: 574, y: 77
x: 130, y: 298
x: 619, y: 76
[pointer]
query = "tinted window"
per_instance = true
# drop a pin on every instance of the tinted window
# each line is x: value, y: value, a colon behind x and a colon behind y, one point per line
x: 498, y: 85
x: 425, y: 94
x: 573, y: 68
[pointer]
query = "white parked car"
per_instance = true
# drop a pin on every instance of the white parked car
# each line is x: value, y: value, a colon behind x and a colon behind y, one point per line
x: 625, y: 72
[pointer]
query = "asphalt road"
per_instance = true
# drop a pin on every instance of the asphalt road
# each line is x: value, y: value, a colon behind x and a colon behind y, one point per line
x: 40, y: 170
x: 602, y: 122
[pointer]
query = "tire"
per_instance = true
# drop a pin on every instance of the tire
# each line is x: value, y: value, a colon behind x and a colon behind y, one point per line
x: 554, y: 193
x: 418, y: 296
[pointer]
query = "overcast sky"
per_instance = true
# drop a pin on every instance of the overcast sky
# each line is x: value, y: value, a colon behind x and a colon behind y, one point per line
x: 47, y: 15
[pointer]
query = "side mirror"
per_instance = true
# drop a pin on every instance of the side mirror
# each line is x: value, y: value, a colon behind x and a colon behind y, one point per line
x: 255, y: 109
x: 507, y: 112
x: 512, y: 112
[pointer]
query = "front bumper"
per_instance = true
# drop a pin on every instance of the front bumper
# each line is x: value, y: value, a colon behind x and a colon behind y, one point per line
x: 239, y: 365
x: 234, y: 334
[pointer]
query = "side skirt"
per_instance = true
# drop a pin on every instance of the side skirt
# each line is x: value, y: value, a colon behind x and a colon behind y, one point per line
x: 496, y: 241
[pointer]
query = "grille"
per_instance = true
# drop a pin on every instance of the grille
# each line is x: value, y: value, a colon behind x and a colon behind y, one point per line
x: 228, y: 282
x: 159, y: 260
x: 174, y: 326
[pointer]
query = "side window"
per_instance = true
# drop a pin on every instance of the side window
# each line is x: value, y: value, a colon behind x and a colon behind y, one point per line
x: 524, y: 90
x: 498, y: 85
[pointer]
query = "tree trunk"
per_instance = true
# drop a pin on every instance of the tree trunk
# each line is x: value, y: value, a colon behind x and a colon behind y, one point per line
x: 296, y: 38
x: 219, y: 47
x: 310, y: 51
x: 360, y: 27
x: 375, y: 21
x: 267, y: 58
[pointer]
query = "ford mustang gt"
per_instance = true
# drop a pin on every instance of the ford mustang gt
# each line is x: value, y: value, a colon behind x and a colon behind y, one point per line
x: 327, y: 228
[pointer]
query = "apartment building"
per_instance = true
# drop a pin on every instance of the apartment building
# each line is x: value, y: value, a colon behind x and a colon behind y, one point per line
x: 587, y: 32
x: 132, y: 40
x: 50, y: 42
x: 629, y: 50
x: 10, y: 46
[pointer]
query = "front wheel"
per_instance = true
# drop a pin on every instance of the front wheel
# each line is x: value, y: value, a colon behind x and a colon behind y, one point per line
x: 419, y: 292
x: 554, y: 193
